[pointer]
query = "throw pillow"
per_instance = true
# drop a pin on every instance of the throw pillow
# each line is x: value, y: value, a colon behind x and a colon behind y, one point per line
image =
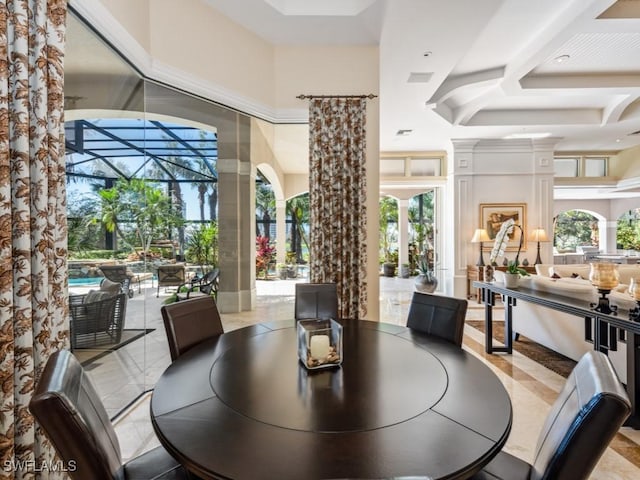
x: 96, y: 296
x: 555, y: 275
x: 113, y: 288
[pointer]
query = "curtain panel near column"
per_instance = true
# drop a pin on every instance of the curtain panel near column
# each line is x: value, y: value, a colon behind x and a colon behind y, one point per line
x: 33, y: 233
x: 337, y: 196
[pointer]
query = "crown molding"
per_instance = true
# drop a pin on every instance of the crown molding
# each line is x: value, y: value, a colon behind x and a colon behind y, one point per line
x: 100, y: 18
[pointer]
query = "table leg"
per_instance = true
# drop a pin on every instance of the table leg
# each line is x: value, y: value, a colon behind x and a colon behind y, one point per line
x: 633, y: 382
x: 489, y: 300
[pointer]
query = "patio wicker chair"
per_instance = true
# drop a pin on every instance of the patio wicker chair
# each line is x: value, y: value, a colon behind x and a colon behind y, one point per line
x: 206, y: 285
x: 97, y: 318
x: 172, y: 275
x: 121, y: 274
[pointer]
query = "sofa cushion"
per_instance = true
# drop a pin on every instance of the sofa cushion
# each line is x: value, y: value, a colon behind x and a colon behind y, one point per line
x: 567, y: 287
x: 96, y: 296
x: 113, y: 288
x: 581, y: 270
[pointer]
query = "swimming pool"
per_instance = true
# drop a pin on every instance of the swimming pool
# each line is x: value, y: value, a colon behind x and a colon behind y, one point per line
x: 85, y: 281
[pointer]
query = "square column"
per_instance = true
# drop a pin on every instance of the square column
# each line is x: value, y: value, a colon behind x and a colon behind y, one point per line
x: 236, y: 216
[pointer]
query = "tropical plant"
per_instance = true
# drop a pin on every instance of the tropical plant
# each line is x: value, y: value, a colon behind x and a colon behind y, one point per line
x: 265, y: 206
x: 265, y: 253
x: 388, y: 213
x: 298, y: 210
x: 202, y: 245
x: 84, y: 230
x: 143, y: 204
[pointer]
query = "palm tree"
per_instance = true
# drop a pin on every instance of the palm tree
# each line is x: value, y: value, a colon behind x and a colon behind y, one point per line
x: 298, y: 209
x: 265, y: 206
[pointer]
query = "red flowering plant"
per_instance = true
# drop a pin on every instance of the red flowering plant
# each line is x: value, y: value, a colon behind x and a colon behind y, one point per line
x: 265, y: 253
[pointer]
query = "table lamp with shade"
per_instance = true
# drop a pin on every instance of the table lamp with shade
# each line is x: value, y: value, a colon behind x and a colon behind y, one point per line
x: 538, y: 235
x: 480, y: 236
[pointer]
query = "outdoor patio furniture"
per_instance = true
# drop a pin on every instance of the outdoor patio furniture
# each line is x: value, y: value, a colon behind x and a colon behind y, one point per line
x: 97, y: 318
x: 200, y: 286
x: 122, y: 275
x: 172, y: 275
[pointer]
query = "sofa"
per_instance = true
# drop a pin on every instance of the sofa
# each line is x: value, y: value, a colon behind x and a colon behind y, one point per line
x: 562, y: 332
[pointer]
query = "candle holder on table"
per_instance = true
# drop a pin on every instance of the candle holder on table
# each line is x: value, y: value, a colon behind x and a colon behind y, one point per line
x: 604, y: 276
x: 319, y: 343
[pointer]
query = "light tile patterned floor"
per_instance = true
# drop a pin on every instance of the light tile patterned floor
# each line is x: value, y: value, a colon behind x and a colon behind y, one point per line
x: 532, y: 387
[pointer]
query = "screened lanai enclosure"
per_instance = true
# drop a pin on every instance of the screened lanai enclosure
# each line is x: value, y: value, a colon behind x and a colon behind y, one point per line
x: 149, y: 180
x: 151, y: 173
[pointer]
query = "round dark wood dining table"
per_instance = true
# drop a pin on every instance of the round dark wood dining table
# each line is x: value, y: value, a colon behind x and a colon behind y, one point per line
x: 402, y: 404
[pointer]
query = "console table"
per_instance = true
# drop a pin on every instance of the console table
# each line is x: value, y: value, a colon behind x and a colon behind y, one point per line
x: 476, y: 274
x: 602, y: 329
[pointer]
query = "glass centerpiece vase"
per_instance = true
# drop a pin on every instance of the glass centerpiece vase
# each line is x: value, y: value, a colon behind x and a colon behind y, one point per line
x: 604, y: 276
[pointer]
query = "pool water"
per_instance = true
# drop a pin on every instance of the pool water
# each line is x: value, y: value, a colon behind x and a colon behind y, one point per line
x: 85, y: 281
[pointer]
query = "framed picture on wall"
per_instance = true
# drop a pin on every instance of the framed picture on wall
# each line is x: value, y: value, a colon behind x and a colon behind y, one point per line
x: 493, y: 215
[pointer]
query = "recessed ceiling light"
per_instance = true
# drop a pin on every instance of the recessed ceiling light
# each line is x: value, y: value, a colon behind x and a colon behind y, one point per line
x: 403, y: 133
x: 561, y: 58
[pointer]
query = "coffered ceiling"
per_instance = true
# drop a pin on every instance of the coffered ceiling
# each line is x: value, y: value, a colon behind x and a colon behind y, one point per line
x: 481, y: 68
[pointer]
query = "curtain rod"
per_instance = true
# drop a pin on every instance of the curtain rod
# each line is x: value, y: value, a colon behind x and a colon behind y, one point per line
x: 303, y: 97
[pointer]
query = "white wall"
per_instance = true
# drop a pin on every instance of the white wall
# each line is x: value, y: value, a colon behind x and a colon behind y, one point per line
x: 496, y: 171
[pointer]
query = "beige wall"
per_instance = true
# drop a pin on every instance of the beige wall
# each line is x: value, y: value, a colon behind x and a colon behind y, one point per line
x: 194, y: 38
x: 134, y: 17
x: 627, y: 164
x: 193, y: 47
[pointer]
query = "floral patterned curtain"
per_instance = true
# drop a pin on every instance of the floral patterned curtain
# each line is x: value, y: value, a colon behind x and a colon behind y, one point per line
x: 337, y: 194
x: 33, y: 232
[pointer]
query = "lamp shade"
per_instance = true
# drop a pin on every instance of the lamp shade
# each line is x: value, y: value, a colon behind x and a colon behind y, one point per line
x: 480, y: 235
x: 539, y: 235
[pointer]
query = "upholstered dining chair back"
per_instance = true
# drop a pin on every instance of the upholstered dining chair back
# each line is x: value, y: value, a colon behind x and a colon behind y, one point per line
x: 438, y: 315
x: 583, y: 420
x: 190, y: 322
x: 68, y: 409
x: 316, y: 300
x: 587, y: 414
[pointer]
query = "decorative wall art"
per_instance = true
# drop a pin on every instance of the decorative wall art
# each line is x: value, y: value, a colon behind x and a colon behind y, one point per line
x: 493, y: 215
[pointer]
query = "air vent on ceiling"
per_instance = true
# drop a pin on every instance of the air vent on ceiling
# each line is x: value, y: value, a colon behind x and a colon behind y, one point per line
x: 419, y: 77
x: 637, y: 132
x: 403, y: 133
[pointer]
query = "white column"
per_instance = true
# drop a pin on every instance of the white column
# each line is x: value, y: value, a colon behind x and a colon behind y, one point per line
x: 281, y: 230
x: 403, y: 231
x: 608, y: 230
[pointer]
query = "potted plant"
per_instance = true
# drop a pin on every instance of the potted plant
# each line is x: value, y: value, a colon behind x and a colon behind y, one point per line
x: 426, y: 280
x: 390, y: 263
x: 513, y: 271
x: 405, y: 270
x: 282, y: 271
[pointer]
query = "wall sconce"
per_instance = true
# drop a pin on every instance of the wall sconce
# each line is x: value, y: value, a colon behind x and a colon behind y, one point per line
x: 480, y: 236
x: 538, y: 235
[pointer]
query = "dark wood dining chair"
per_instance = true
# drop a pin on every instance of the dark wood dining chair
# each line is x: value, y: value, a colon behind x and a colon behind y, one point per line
x: 69, y: 410
x: 316, y: 300
x: 438, y: 315
x: 190, y: 322
x: 583, y: 420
